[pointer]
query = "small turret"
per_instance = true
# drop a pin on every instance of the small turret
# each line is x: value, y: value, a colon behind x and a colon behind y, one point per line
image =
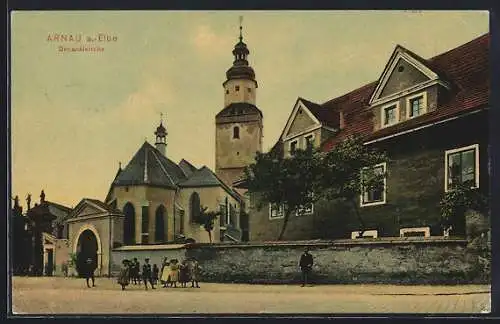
x: 161, y: 138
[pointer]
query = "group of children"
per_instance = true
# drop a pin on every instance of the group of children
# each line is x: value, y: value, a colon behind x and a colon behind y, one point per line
x: 171, y: 272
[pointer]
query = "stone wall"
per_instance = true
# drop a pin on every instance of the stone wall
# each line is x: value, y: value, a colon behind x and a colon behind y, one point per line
x: 394, y: 261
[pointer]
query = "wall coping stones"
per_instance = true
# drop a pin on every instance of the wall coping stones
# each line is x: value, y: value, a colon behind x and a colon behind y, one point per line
x: 342, y: 242
x: 150, y: 247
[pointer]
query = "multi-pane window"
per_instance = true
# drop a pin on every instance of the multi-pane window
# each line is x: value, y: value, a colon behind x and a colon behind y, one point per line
x: 375, y: 194
x: 237, y: 88
x: 416, y: 106
x: 462, y: 168
x: 305, y: 210
x: 390, y: 115
x: 293, y: 147
x: 309, y: 140
x: 276, y: 211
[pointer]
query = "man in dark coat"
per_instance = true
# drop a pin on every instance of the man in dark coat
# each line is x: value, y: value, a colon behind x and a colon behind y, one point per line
x: 90, y: 267
x: 305, y: 264
x: 147, y: 274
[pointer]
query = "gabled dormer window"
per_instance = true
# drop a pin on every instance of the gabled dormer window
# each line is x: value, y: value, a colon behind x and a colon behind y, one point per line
x: 416, y: 105
x: 390, y: 114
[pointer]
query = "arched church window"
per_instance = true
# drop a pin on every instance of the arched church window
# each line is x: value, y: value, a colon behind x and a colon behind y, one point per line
x: 195, y: 208
x: 129, y: 224
x: 236, y: 132
x: 160, y: 221
x: 145, y: 225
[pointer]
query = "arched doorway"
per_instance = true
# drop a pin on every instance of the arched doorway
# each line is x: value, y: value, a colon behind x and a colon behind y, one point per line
x: 160, y: 224
x: 87, y: 247
x: 194, y: 207
x: 129, y: 224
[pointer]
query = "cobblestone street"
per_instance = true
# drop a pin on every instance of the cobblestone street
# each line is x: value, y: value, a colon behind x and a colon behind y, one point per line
x: 71, y: 296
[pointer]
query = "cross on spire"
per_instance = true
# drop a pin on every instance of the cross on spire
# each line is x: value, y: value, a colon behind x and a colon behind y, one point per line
x: 241, y: 28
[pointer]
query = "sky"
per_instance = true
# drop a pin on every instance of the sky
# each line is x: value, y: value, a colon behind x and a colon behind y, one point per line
x: 76, y: 115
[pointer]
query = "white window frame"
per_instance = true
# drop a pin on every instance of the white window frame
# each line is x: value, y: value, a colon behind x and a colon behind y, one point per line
x: 280, y: 213
x: 384, y: 193
x: 426, y: 230
x: 457, y: 150
x: 307, y: 211
x: 355, y: 234
x: 313, y: 137
x: 409, y: 107
x: 382, y: 114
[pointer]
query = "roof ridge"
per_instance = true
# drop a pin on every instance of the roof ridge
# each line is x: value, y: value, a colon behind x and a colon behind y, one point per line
x: 163, y: 168
x: 57, y: 204
x: 477, y: 39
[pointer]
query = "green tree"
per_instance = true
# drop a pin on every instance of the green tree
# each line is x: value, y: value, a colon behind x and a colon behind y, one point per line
x: 208, y: 219
x: 456, y: 202
x: 348, y: 172
x: 287, y: 182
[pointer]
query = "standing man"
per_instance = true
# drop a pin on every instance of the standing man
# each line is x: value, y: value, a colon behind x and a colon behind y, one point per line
x: 147, y: 275
x: 305, y: 264
x: 90, y: 267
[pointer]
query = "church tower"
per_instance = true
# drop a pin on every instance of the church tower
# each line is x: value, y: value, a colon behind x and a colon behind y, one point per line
x: 238, y: 127
x: 161, y: 138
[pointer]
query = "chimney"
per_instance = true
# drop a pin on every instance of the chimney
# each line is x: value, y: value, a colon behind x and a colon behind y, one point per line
x: 341, y: 120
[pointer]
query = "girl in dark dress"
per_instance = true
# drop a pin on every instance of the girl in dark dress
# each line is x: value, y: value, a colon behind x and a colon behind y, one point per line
x: 183, y: 273
x: 156, y: 271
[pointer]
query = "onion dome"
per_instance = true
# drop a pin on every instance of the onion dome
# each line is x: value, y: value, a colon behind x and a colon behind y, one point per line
x: 161, y: 130
x: 240, y: 68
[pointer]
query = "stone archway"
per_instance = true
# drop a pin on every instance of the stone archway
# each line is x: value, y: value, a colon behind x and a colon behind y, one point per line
x: 87, y: 244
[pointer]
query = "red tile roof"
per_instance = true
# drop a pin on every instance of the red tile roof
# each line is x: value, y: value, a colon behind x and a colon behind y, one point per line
x: 467, y: 69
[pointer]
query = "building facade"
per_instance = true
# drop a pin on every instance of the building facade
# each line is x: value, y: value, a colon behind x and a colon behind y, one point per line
x: 431, y: 118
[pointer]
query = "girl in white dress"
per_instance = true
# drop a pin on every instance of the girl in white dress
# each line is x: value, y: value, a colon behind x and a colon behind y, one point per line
x: 165, y: 273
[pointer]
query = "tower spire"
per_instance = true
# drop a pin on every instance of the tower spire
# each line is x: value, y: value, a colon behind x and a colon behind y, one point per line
x: 241, y: 29
x: 161, y: 137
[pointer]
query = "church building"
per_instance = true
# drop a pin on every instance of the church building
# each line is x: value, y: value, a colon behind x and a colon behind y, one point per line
x: 151, y: 201
x: 154, y: 203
